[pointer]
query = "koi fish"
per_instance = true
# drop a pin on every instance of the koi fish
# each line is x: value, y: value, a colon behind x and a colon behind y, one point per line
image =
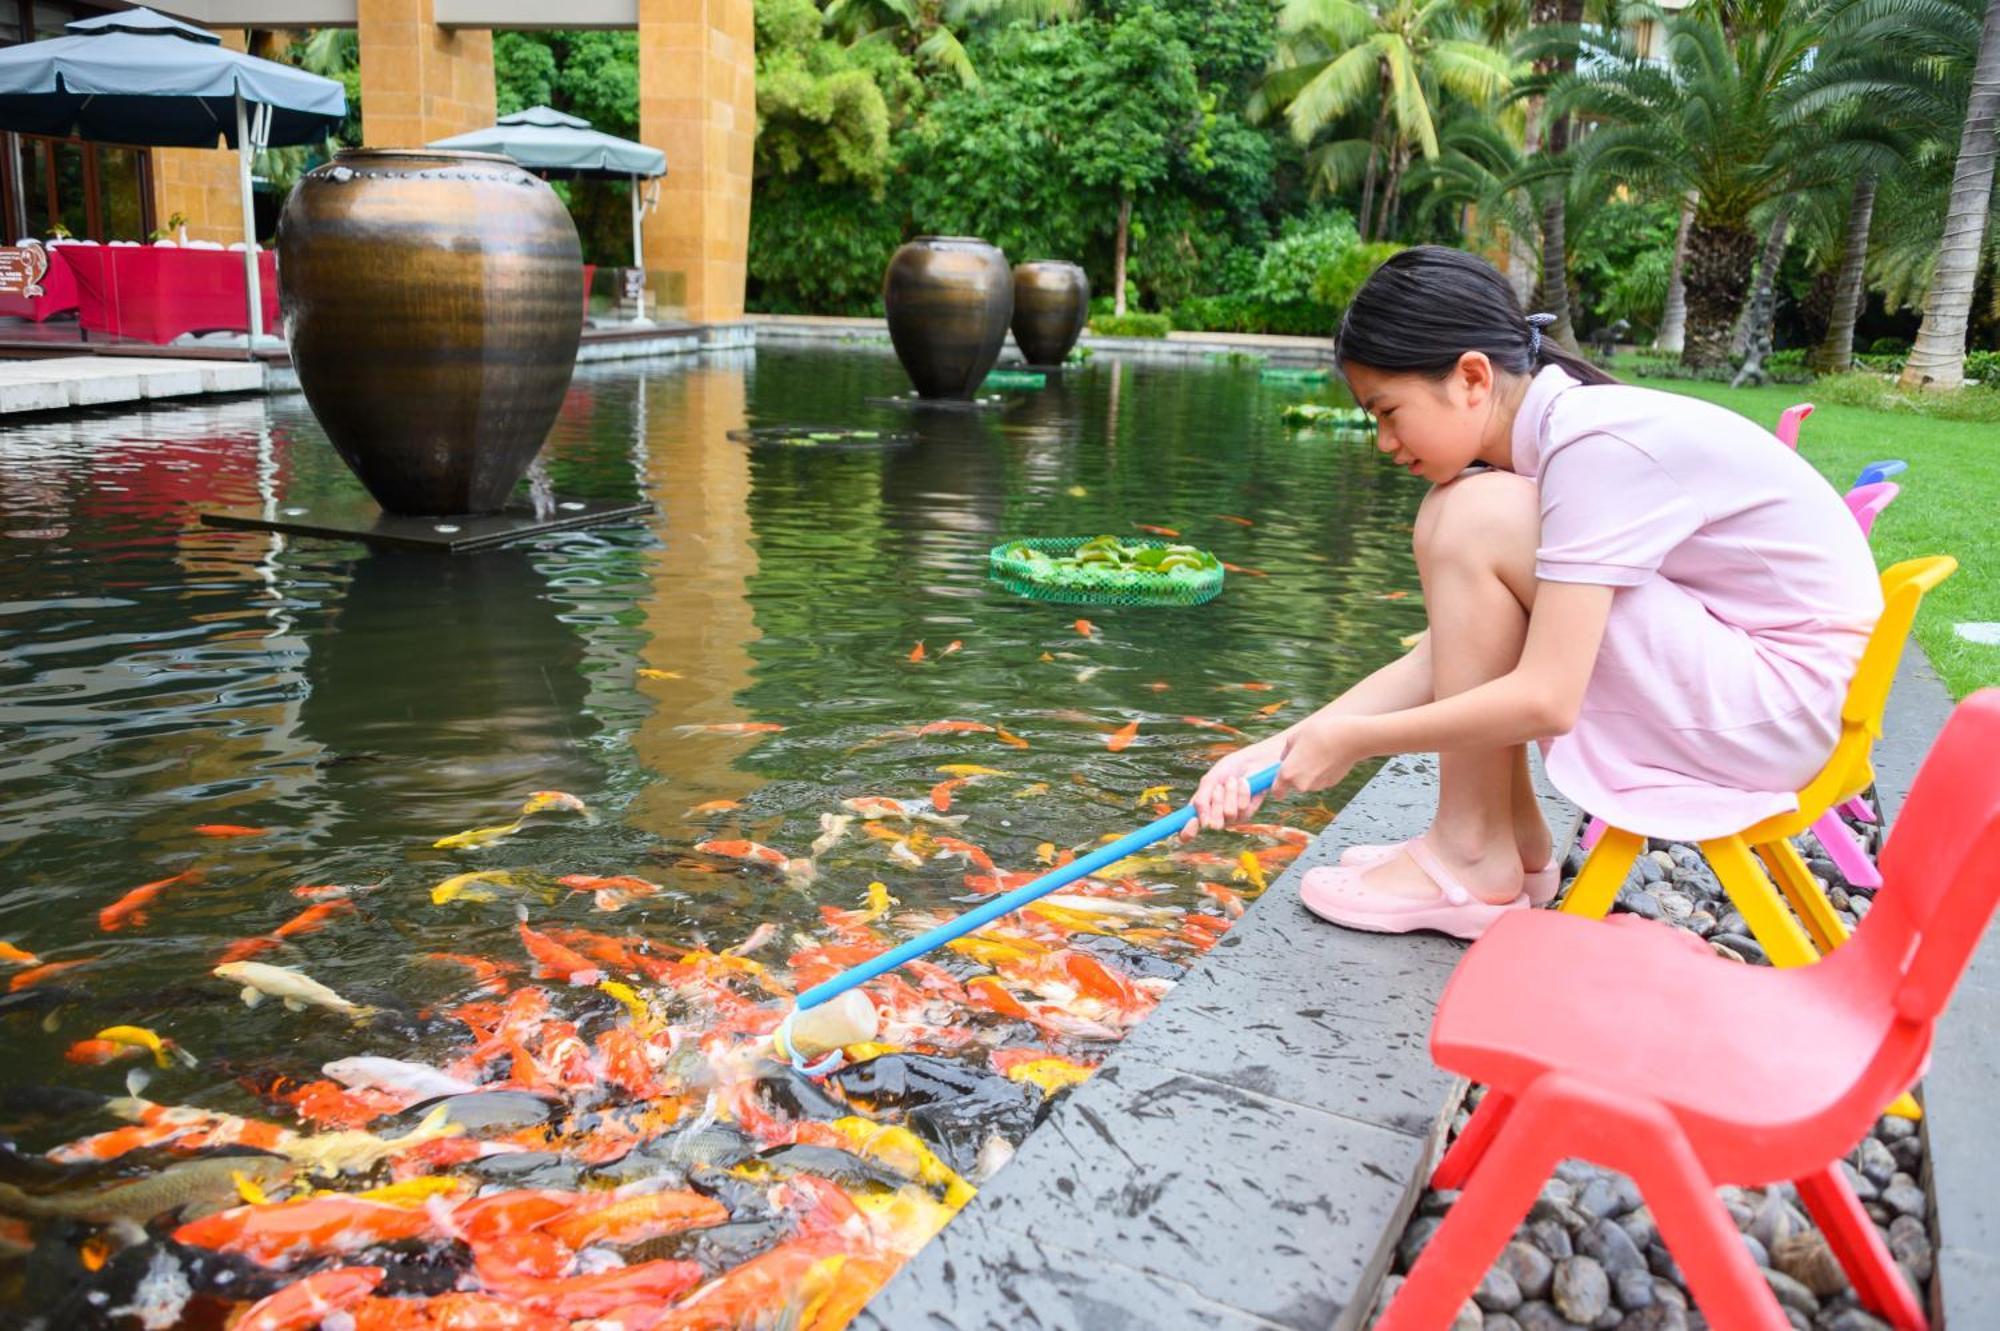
x: 1392, y: 596
x: 228, y: 830
x: 100, y: 1052
x: 653, y: 672
x: 953, y: 646
x: 953, y: 846
x: 832, y: 831
x: 731, y: 728
x: 1249, y: 867
x: 556, y: 960
x: 941, y: 793
x: 417, y: 1081
x: 140, y: 1038
x: 917, y: 652
x: 1201, y: 723
x: 611, y: 894
x: 310, y: 1302
x: 294, y: 989
x: 636, y: 1219
x: 1014, y: 741
x: 34, y: 975
x: 1121, y: 737
x: 953, y: 728
x: 1231, y: 903
x: 1159, y: 686
x: 753, y: 853
x: 713, y: 806
x: 1291, y: 836
x: 15, y: 955
x: 313, y: 918
x: 1151, y: 530
x: 328, y: 1225
x: 464, y: 885
x: 964, y: 769
x: 1231, y: 517
x: 1085, y: 627
x: 1052, y: 1074
x: 1247, y: 572
x: 132, y: 908
x: 1274, y: 708
x: 490, y: 976
x: 876, y: 808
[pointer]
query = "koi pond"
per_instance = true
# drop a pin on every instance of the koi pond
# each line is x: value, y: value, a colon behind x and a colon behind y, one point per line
x: 516, y: 857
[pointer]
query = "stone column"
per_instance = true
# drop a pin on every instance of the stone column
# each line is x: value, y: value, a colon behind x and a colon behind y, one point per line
x: 418, y: 81
x: 698, y: 103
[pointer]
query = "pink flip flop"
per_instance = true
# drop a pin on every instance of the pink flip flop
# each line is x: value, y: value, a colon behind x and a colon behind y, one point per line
x: 1540, y: 884
x: 1336, y: 892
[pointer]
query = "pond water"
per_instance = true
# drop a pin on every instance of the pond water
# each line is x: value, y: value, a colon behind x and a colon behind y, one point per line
x: 340, y: 710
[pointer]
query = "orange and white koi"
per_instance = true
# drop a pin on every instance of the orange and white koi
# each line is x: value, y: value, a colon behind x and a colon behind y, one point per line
x: 1119, y: 739
x: 134, y: 906
x: 611, y: 894
x: 731, y: 728
x: 301, y: 1306
x: 17, y: 956
x: 557, y: 961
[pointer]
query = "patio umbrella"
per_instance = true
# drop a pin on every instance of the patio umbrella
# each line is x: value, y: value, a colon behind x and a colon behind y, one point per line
x: 565, y: 147
x: 142, y: 78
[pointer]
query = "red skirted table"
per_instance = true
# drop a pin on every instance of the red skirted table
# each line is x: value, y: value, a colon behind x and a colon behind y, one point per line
x: 155, y: 293
x: 58, y: 293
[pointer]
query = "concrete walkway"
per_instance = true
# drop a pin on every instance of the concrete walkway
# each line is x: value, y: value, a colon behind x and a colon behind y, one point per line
x: 62, y: 382
x: 773, y: 328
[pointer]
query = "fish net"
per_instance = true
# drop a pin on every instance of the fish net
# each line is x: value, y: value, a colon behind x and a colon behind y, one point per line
x: 823, y: 438
x: 1103, y: 570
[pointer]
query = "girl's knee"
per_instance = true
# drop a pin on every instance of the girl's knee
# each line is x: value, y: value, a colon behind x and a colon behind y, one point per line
x: 1490, y: 516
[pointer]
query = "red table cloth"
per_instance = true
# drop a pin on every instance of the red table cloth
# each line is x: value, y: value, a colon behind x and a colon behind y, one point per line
x: 156, y: 293
x: 58, y: 293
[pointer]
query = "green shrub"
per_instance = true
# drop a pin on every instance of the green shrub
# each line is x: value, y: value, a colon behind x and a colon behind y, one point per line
x: 1292, y: 262
x: 1336, y: 283
x: 1983, y: 366
x: 1980, y: 404
x: 1792, y: 359
x: 1889, y: 346
x: 1885, y: 363
x: 1247, y: 314
x: 1130, y: 325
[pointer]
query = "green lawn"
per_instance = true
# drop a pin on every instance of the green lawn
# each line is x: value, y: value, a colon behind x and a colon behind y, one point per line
x: 1950, y: 504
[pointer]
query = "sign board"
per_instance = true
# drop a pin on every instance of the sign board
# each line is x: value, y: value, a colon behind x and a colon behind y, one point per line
x: 21, y: 269
x: 635, y: 283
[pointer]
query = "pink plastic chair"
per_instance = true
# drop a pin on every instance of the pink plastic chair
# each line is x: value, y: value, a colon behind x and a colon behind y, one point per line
x: 1764, y: 1074
x: 1789, y: 421
x: 1866, y: 502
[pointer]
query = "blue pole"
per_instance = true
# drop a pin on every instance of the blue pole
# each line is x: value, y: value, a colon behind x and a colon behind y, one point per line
x: 1081, y: 867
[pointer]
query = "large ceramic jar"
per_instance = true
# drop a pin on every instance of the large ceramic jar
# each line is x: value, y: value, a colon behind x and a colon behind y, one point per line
x: 1051, y: 303
x: 434, y: 303
x: 948, y: 299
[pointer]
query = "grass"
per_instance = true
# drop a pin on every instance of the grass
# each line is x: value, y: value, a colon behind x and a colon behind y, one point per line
x: 1950, y: 504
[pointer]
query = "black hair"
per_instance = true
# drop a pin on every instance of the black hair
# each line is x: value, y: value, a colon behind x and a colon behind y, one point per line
x: 1429, y: 305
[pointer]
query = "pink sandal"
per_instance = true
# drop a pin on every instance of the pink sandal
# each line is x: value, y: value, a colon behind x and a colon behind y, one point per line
x: 1337, y: 893
x: 1540, y: 884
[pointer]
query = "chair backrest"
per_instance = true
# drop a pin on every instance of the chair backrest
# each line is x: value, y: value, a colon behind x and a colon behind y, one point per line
x: 1866, y: 502
x: 1903, y: 588
x: 1789, y: 421
x: 1941, y: 865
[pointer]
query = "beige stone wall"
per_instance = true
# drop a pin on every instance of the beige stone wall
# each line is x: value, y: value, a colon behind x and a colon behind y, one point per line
x: 698, y: 103
x: 418, y: 81
x: 200, y: 184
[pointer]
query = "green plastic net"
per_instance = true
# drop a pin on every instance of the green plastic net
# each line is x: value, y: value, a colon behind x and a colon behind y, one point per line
x: 1104, y: 570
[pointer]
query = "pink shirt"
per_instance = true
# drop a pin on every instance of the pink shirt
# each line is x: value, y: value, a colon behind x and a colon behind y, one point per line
x: 1746, y: 594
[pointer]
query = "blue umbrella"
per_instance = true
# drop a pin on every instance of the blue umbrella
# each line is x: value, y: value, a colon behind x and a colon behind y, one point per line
x: 565, y: 147
x: 142, y: 78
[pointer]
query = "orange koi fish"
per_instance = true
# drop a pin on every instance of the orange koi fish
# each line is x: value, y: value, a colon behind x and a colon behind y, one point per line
x: 1231, y: 517
x: 1231, y: 903
x: 36, y: 974
x: 611, y: 893
x: 941, y: 793
x: 917, y: 652
x: 1274, y: 708
x: 1147, y: 527
x: 951, y: 845
x: 1159, y: 686
x: 1392, y: 596
x: 954, y: 728
x: 320, y: 891
x: 456, y: 1311
x: 1121, y: 737
x: 8, y: 952
x: 132, y: 907
x: 1085, y: 627
x: 490, y: 976
x: 1291, y: 836
x: 313, y: 918
x: 714, y: 806
x: 325, y: 1226
x: 953, y: 646
x: 1014, y: 740
x: 636, y: 1219
x: 306, y: 1304
x: 731, y: 728
x: 1247, y: 572
x: 100, y: 1052
x: 646, y: 1284
x: 745, y: 850
x: 1201, y: 724
x: 557, y: 961
x: 228, y: 830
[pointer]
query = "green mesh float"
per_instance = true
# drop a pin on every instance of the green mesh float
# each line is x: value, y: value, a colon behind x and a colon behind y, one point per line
x: 1292, y: 374
x: 1106, y: 570
x: 1026, y: 379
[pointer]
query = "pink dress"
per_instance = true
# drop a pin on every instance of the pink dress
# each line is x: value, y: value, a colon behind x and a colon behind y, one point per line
x: 1745, y: 594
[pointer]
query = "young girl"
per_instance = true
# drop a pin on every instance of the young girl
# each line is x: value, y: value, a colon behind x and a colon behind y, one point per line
x: 1653, y: 581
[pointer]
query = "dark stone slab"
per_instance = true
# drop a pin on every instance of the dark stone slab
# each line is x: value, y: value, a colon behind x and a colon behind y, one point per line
x: 1248, y: 1155
x: 359, y: 520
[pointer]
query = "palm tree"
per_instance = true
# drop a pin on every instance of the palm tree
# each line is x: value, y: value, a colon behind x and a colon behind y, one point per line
x: 930, y: 30
x: 1337, y: 59
x: 1937, y: 360
x: 1717, y: 118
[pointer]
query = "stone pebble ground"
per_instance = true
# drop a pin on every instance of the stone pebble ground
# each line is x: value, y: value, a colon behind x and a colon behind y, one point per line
x: 1589, y: 1253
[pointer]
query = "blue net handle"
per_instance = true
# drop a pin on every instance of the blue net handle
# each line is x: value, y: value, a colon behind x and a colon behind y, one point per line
x: 1082, y: 867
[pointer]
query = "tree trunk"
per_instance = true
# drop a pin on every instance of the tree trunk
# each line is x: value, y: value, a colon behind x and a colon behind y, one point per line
x: 1118, y: 253
x: 1555, y: 203
x: 1523, y: 264
x: 1399, y: 161
x: 1759, y: 305
x: 1673, y: 319
x: 1719, y: 260
x: 1835, y: 353
x: 1938, y: 358
x: 1374, y: 149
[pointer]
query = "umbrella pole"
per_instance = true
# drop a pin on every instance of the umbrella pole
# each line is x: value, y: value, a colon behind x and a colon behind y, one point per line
x: 253, y: 289
x: 638, y: 249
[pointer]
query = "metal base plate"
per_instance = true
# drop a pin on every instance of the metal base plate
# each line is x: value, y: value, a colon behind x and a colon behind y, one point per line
x: 360, y: 520
x: 911, y: 402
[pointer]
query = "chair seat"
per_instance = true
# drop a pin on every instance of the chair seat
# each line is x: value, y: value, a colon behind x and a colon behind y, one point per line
x: 1748, y: 1058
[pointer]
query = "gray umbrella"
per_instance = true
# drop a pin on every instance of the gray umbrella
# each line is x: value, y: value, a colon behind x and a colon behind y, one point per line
x: 565, y: 147
x: 143, y: 78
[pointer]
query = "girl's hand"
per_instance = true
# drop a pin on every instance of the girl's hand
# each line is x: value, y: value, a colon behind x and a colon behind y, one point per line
x: 1224, y: 797
x: 1321, y: 752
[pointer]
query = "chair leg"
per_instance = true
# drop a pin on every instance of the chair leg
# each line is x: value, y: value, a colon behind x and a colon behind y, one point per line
x: 1721, y: 1274
x: 1845, y: 851
x: 1795, y: 880
x: 1597, y: 883
x: 1772, y: 925
x: 1858, y: 809
x: 1466, y: 1153
x: 1593, y: 832
x: 1523, y: 1153
x: 1830, y: 1199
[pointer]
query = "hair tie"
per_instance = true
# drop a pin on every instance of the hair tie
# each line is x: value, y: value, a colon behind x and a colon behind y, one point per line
x: 1536, y: 323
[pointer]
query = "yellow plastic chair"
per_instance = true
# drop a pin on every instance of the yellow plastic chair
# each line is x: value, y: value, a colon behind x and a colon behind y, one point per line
x: 1847, y: 773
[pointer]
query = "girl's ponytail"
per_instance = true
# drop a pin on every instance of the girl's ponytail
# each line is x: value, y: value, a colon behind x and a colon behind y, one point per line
x: 1429, y: 305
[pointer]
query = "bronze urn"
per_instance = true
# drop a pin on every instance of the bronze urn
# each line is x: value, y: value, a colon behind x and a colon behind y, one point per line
x: 1051, y: 303
x: 948, y: 299
x: 434, y: 302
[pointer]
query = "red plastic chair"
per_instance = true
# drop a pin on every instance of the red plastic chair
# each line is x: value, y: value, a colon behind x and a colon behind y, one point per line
x: 1763, y: 1074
